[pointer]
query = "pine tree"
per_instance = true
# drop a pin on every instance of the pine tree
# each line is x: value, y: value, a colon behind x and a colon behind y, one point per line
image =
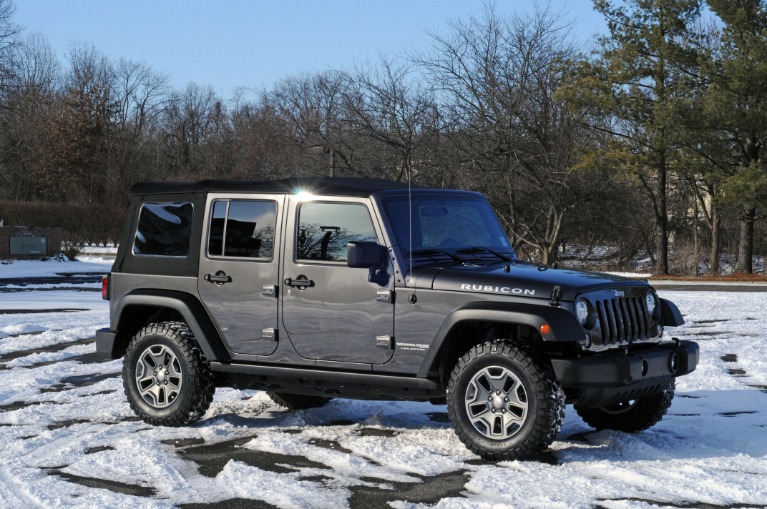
x: 632, y: 81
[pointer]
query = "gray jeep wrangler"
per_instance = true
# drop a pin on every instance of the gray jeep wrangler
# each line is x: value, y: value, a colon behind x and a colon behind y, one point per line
x: 317, y: 288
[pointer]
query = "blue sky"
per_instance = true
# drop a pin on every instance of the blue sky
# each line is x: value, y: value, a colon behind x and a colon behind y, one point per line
x: 240, y: 43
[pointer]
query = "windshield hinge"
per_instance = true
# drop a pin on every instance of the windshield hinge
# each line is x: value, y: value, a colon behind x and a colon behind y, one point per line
x: 556, y: 294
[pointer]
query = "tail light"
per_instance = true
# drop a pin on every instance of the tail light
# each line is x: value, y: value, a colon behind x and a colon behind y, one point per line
x: 105, y: 287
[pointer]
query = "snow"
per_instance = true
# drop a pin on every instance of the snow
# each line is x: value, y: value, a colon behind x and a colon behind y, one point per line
x: 49, y: 268
x: 68, y: 437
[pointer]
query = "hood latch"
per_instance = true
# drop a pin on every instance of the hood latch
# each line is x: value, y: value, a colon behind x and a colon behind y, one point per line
x: 556, y: 294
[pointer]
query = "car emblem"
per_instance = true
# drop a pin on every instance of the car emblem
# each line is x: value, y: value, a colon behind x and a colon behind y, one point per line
x: 620, y: 293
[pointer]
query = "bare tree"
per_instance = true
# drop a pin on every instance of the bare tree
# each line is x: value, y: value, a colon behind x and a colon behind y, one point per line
x: 389, y: 104
x: 312, y: 104
x: 8, y: 32
x: 497, y: 79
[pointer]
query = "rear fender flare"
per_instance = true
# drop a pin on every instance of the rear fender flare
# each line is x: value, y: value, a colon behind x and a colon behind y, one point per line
x: 192, y: 311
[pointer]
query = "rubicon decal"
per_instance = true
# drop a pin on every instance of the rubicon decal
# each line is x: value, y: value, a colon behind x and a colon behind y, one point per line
x: 496, y: 289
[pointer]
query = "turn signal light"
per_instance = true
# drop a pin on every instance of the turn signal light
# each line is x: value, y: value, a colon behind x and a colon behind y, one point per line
x: 545, y: 329
x: 105, y: 287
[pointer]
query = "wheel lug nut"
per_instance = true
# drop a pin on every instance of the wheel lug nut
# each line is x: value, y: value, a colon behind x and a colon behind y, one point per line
x: 504, y: 410
x: 506, y: 400
x: 498, y: 391
x: 166, y: 383
x: 493, y: 410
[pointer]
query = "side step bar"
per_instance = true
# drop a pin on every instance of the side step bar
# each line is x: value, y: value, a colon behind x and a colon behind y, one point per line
x: 327, y: 376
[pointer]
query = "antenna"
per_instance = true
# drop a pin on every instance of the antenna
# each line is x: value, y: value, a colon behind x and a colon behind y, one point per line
x: 412, y: 299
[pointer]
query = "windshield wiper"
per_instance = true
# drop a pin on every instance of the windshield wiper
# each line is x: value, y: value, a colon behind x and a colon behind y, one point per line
x: 474, y: 250
x: 430, y: 253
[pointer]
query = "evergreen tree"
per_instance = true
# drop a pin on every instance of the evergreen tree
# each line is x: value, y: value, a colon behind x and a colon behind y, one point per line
x: 736, y: 107
x: 633, y: 82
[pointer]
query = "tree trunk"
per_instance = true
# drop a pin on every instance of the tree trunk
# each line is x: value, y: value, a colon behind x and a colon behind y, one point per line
x: 661, y: 220
x: 716, y: 248
x: 746, y: 242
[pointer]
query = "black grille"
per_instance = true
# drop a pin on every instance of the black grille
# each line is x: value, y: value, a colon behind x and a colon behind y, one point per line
x: 622, y: 319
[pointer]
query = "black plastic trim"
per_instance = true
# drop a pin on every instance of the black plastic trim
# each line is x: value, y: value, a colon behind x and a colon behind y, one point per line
x: 671, y: 315
x: 338, y: 377
x: 564, y: 325
x: 190, y: 308
x: 618, y: 369
x: 106, y: 347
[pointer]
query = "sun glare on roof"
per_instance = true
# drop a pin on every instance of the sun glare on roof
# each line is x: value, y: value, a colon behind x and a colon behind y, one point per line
x: 303, y: 195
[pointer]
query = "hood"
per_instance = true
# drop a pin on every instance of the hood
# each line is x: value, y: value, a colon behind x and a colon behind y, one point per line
x: 520, y: 279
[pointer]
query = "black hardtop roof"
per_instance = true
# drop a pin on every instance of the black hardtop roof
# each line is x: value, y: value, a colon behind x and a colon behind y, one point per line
x: 346, y: 186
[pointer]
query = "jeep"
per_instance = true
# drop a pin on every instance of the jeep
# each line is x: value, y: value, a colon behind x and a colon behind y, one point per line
x: 319, y: 288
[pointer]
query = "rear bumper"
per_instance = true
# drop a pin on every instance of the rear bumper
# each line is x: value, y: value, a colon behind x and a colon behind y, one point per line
x: 105, y: 343
x: 609, y: 378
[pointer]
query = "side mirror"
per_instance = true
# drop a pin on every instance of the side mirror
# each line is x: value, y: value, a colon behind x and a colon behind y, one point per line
x: 365, y: 255
x: 371, y: 256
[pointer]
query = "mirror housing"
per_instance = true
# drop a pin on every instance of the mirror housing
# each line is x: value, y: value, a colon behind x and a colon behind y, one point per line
x: 365, y: 255
x: 371, y: 256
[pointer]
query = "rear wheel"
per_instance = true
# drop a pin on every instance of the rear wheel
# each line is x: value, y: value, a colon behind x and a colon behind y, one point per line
x: 297, y: 401
x: 166, y: 378
x: 630, y: 416
x: 504, y: 405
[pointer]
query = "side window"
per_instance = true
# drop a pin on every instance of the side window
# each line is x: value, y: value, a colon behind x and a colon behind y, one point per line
x: 242, y: 229
x: 164, y: 229
x: 324, y: 229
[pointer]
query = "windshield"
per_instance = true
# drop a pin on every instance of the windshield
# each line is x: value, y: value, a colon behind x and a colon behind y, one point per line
x: 457, y: 226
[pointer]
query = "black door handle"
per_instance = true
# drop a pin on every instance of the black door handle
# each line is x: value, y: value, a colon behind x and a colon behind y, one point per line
x: 218, y: 278
x: 301, y: 282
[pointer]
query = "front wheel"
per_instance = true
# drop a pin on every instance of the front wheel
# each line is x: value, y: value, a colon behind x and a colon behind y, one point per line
x: 630, y: 416
x: 504, y: 404
x: 166, y: 378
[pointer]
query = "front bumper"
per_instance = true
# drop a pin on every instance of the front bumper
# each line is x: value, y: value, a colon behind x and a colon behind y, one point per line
x: 613, y: 377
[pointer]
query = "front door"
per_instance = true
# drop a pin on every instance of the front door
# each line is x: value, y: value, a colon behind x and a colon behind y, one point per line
x: 332, y: 312
x: 239, y: 270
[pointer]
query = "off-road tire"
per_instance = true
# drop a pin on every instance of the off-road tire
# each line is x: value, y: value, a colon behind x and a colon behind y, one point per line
x: 535, y: 389
x: 630, y: 416
x: 297, y: 401
x: 187, y: 369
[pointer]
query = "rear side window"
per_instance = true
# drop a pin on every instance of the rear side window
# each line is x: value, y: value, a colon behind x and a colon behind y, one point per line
x: 164, y: 229
x: 242, y: 229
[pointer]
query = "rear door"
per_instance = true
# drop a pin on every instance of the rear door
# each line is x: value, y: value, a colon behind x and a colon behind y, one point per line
x: 331, y: 312
x: 239, y: 269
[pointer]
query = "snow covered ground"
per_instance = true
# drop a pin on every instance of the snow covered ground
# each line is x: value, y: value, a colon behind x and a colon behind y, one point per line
x: 69, y: 439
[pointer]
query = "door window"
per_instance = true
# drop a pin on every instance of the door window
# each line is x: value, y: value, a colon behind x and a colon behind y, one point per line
x: 324, y: 229
x: 242, y: 229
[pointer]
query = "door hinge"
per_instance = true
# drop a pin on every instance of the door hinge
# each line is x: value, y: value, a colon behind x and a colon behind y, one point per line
x: 384, y: 296
x: 269, y: 334
x: 269, y: 291
x: 385, y: 342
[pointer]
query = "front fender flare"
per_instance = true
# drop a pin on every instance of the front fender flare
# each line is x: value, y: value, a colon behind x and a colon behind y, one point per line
x: 564, y: 325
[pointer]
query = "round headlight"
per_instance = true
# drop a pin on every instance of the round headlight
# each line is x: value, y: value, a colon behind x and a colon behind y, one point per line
x: 582, y: 311
x: 650, y: 300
